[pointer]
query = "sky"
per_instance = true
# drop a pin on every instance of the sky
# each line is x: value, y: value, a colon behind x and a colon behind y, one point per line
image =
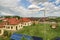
x: 30, y: 8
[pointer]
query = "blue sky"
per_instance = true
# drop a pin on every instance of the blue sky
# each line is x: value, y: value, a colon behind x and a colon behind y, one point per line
x: 20, y: 7
x: 26, y: 3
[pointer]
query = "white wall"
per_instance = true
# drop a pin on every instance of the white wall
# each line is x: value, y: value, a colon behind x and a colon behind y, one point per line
x: 2, y: 31
x: 14, y: 27
x: 27, y: 23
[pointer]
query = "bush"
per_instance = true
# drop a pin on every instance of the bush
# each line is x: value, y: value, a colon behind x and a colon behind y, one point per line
x: 5, y: 33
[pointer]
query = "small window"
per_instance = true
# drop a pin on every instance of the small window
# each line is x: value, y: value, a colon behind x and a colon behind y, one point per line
x: 11, y: 27
x: 25, y: 23
x: 4, y: 26
x: 0, y: 31
x: 16, y: 28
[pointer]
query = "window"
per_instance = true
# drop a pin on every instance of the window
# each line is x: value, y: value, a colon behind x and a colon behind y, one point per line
x: 16, y: 28
x: 4, y: 26
x: 11, y: 27
x: 0, y: 31
x: 25, y: 23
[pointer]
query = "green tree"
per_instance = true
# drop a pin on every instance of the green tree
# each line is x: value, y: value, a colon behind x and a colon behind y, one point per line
x: 17, y: 17
x: 8, y: 16
x: 0, y: 21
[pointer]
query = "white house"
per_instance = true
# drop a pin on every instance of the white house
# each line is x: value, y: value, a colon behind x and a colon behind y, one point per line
x: 13, y: 24
x: 26, y: 22
x: 13, y: 27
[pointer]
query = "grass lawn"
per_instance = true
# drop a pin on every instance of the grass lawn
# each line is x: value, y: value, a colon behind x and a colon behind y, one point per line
x: 41, y: 30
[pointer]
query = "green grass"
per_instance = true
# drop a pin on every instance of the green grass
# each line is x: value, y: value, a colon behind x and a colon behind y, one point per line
x: 41, y: 30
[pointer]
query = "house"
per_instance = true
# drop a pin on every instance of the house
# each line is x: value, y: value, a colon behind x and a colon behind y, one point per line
x: 26, y: 22
x: 13, y: 24
x: 2, y: 28
x: 10, y: 24
x: 34, y: 20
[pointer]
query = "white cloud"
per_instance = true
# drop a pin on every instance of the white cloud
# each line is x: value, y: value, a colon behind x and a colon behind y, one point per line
x: 9, y: 3
x: 4, y: 13
x: 36, y: 1
x: 13, y: 4
x: 57, y: 1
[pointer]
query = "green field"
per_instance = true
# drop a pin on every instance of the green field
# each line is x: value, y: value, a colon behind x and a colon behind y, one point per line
x: 41, y: 30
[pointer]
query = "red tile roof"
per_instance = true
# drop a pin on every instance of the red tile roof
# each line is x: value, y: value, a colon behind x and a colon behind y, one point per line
x: 5, y: 19
x: 25, y: 20
x: 13, y: 21
x: 2, y: 24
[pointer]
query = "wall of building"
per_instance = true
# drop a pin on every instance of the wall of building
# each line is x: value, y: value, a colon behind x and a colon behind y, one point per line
x: 27, y: 23
x: 13, y: 27
x: 20, y: 26
x: 1, y: 31
x: 10, y: 27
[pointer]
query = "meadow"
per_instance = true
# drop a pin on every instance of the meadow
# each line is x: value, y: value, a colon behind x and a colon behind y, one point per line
x: 41, y: 30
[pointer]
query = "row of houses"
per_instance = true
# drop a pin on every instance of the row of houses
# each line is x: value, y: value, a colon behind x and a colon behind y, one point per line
x: 13, y: 24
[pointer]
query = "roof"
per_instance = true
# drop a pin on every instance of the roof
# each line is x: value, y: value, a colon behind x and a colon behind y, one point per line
x: 2, y: 24
x: 13, y: 21
x: 5, y: 19
x: 34, y: 19
x: 26, y: 19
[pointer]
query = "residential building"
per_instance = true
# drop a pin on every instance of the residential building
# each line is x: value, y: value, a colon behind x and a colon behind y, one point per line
x: 14, y: 24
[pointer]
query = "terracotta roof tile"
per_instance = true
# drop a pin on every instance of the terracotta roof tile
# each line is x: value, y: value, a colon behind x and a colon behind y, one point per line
x: 26, y: 19
x: 2, y: 24
x: 13, y: 21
